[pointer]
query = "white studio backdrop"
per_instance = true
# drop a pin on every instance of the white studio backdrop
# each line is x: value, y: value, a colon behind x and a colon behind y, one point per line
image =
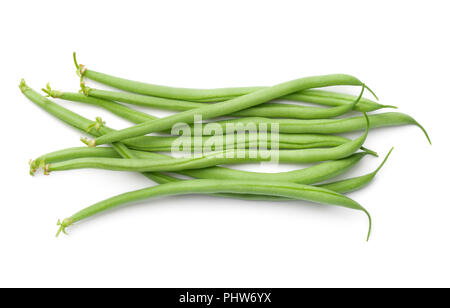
x: 400, y: 49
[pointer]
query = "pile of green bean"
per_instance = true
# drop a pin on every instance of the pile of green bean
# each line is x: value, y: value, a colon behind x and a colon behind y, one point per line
x: 305, y: 134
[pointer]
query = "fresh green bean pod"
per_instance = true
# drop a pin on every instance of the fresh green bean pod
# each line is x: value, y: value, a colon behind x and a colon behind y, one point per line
x: 120, y: 110
x: 154, y: 143
x: 289, y: 190
x: 164, y: 144
x: 224, y: 108
x: 326, y: 98
x: 213, y: 159
x: 331, y: 126
x: 329, y: 98
x: 71, y: 153
x: 352, y: 184
x: 310, y: 175
x: 83, y: 124
x: 275, y: 110
x: 222, y: 94
x: 75, y: 120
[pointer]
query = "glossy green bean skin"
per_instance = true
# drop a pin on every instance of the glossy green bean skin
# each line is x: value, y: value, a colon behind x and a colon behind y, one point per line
x: 223, y: 108
x: 310, y: 175
x: 332, y: 126
x: 71, y: 153
x: 152, y: 143
x: 326, y: 98
x: 164, y: 144
x: 208, y: 160
x: 82, y: 123
x: 120, y: 110
x: 288, y: 190
x: 222, y: 94
x: 213, y: 159
x: 352, y: 184
x: 265, y: 110
x: 75, y: 120
x: 164, y: 91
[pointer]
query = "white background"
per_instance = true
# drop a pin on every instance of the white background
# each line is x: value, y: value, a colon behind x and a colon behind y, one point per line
x: 399, y: 48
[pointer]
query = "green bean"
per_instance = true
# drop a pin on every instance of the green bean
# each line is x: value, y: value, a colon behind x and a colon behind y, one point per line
x: 157, y: 177
x: 120, y: 110
x: 213, y: 159
x: 227, y: 107
x: 289, y: 190
x: 151, y: 143
x: 70, y: 153
x: 222, y: 94
x: 331, y: 126
x: 164, y: 144
x: 265, y: 110
x: 326, y: 98
x: 82, y: 123
x: 73, y: 120
x: 310, y: 175
x: 352, y: 184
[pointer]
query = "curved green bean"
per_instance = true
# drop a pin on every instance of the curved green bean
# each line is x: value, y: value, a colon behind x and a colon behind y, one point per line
x: 331, y: 126
x: 164, y: 143
x: 156, y: 143
x: 289, y: 190
x: 213, y: 159
x: 222, y: 94
x: 310, y: 175
x: 223, y: 108
x: 352, y: 184
x: 276, y: 110
x: 70, y: 153
x: 75, y: 120
x: 82, y: 123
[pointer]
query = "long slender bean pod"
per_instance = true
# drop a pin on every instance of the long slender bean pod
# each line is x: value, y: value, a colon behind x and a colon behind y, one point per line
x: 352, y: 184
x: 73, y: 119
x: 310, y: 175
x: 289, y: 190
x: 164, y: 144
x: 332, y: 126
x: 213, y: 159
x: 274, y: 110
x: 151, y: 143
x: 70, y: 153
x: 222, y: 94
x: 327, y: 98
x: 223, y: 108
x: 82, y: 123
